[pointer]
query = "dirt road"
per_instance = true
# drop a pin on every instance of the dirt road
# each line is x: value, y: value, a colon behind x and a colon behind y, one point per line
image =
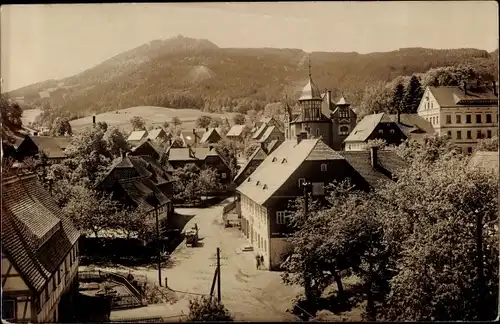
x: 248, y: 293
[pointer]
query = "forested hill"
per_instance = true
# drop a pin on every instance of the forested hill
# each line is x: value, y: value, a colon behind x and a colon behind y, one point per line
x: 183, y: 72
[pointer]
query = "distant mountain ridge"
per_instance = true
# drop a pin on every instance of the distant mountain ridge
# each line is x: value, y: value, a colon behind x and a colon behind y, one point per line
x: 155, y: 74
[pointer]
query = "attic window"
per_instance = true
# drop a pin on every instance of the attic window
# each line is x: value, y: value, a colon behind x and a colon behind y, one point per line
x: 274, y: 159
x: 283, y: 161
x: 258, y: 182
x: 265, y: 187
x: 249, y: 179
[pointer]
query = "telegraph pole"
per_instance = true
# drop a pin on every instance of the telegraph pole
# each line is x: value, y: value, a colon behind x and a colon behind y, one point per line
x: 158, y: 245
x: 218, y: 275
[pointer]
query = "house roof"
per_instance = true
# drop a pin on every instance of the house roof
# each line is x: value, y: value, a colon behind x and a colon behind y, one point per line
x: 137, y: 135
x: 361, y: 162
x: 147, y: 142
x: 141, y: 190
x: 452, y: 96
x: 310, y: 91
x: 279, y: 166
x: 485, y: 160
x: 53, y: 146
x: 183, y: 153
x: 36, y: 234
x: 257, y: 155
x: 273, y: 144
x: 412, y: 124
x: 267, y: 133
x: 206, y: 136
x: 236, y: 130
x: 366, y: 126
x: 259, y: 131
x: 155, y: 134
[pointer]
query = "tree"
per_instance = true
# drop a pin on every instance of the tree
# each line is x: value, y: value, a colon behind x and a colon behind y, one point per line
x: 412, y: 96
x: 207, y: 309
x: 191, y: 182
x: 102, y: 125
x: 165, y: 125
x: 135, y: 223
x: 487, y: 144
x: 378, y: 143
x: 429, y: 150
x: 397, y: 98
x: 203, y: 121
x: 61, y: 127
x: 138, y: 123
x: 176, y: 121
x: 10, y: 117
x: 115, y: 141
x: 239, y: 119
x: 215, y: 122
x: 225, y: 126
x: 229, y: 151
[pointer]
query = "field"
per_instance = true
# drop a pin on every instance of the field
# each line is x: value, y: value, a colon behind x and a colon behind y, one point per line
x: 29, y: 115
x: 154, y: 116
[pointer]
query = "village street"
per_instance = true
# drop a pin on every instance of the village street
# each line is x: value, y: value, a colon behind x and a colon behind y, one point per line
x: 248, y: 293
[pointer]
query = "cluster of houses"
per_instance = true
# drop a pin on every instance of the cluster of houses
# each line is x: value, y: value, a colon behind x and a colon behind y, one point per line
x: 318, y: 142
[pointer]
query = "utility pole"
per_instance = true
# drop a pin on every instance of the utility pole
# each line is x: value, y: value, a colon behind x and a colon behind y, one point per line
x: 218, y: 275
x: 158, y: 244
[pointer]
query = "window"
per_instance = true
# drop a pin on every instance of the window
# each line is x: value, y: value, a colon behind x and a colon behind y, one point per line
x: 301, y: 181
x: 392, y: 131
x: 469, y: 150
x: 478, y: 119
x: 344, y: 130
x: 488, y: 133
x: 317, y: 132
x: 459, y: 134
x: 280, y: 217
x: 224, y: 175
x: 46, y: 293
x: 437, y: 120
x: 468, y: 119
x: 458, y: 119
x: 318, y: 188
x: 448, y: 119
x: 70, y: 258
x: 381, y: 131
x: 58, y: 276
x: 479, y: 134
x: 8, y: 309
x: 488, y: 118
x: 469, y: 135
x: 53, y: 283
x: 449, y: 134
x: 323, y: 167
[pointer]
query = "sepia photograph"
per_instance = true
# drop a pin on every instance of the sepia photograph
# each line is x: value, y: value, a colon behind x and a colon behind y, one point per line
x: 330, y: 161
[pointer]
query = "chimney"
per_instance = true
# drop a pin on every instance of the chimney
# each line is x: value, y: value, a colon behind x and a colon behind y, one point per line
x: 301, y: 136
x: 93, y: 120
x: 194, y: 135
x: 170, y: 142
x: 495, y: 92
x: 329, y: 97
x: 373, y: 156
x: 206, y: 129
x: 465, y: 88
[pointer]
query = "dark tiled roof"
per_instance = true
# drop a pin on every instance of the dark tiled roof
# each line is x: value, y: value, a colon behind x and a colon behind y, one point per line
x: 361, y: 162
x: 258, y: 155
x: 208, y: 134
x: 453, y: 96
x: 36, y: 235
x: 157, y: 133
x: 410, y: 123
x: 259, y: 131
x: 366, y: 126
x: 267, y: 133
x: 279, y: 166
x: 140, y: 189
x: 53, y: 146
x: 145, y: 143
x: 272, y: 145
x: 183, y: 153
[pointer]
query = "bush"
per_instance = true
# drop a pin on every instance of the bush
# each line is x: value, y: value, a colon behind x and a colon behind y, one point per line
x: 206, y: 309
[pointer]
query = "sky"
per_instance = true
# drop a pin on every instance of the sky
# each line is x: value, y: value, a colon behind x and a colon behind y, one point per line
x: 40, y: 42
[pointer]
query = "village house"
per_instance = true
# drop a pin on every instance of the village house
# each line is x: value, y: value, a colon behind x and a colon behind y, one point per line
x: 134, y: 180
x: 53, y: 146
x: 464, y: 113
x: 263, y: 124
x: 413, y: 126
x: 319, y: 116
x: 136, y: 137
x: 266, y: 193
x: 157, y: 135
x: 259, y: 155
x: 373, y: 127
x: 211, y: 136
x: 202, y: 157
x: 147, y: 147
x: 236, y: 132
x: 39, y: 254
x: 272, y: 133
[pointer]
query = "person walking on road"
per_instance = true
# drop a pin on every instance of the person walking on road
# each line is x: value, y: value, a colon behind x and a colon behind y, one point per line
x: 257, y: 258
x: 261, y: 260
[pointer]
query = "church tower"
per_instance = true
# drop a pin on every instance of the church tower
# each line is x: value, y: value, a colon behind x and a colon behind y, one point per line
x: 312, y: 119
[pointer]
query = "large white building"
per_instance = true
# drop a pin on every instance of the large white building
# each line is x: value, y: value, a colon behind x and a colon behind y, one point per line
x: 464, y: 113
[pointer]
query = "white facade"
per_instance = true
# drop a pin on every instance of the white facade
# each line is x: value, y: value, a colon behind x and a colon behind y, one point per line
x: 463, y: 124
x: 355, y: 146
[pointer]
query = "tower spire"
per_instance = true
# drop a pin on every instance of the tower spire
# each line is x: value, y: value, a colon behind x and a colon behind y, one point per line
x: 309, y: 66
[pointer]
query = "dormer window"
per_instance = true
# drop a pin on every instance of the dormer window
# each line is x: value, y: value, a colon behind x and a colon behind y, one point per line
x: 258, y: 182
x: 283, y: 161
x: 265, y: 187
x: 274, y: 159
x: 381, y: 131
x: 249, y: 179
x: 323, y: 167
